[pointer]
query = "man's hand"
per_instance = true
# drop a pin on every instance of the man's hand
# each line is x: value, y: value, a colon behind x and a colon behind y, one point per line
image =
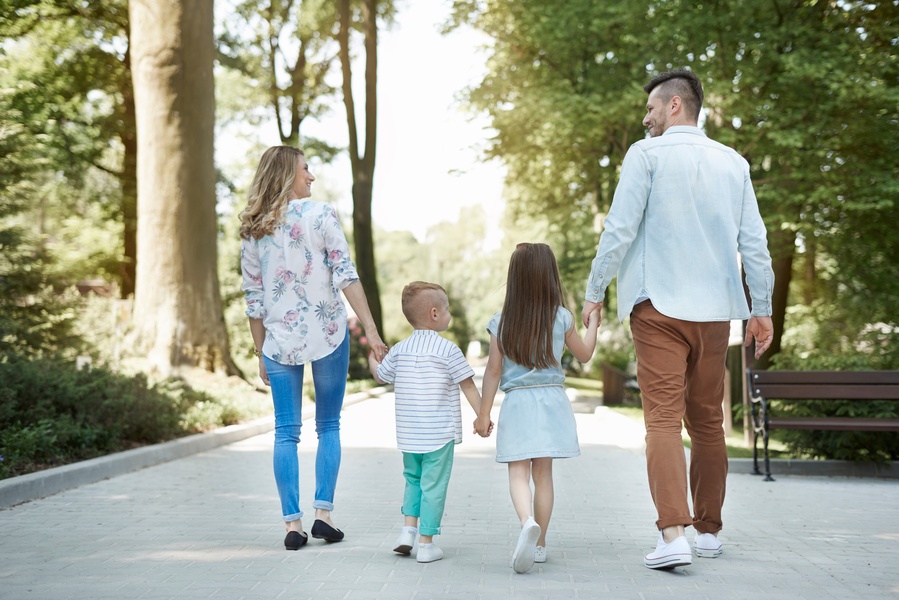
x: 760, y: 329
x: 589, y: 307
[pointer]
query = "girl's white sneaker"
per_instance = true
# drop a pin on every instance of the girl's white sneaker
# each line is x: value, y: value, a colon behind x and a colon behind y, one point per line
x: 540, y: 554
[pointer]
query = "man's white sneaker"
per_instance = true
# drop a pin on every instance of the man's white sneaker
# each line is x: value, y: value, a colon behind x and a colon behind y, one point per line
x: 707, y: 545
x: 668, y: 556
x: 540, y: 554
x: 406, y: 541
x: 523, y: 557
x: 428, y: 553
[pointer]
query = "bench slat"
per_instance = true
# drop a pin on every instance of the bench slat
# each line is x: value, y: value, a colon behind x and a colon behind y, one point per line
x: 821, y: 391
x: 827, y: 377
x: 834, y: 424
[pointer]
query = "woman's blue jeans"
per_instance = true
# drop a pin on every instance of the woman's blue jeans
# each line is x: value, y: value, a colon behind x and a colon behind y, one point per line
x: 329, y: 376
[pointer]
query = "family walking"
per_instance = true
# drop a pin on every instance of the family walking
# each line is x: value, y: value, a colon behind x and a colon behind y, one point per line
x: 683, y: 219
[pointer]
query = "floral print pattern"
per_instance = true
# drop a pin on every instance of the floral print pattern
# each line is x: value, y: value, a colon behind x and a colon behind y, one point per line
x: 292, y: 281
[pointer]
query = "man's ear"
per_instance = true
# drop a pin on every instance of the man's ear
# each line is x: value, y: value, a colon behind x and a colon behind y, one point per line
x: 676, y: 104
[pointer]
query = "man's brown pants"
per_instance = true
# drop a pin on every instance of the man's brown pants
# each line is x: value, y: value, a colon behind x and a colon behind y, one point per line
x: 680, y: 371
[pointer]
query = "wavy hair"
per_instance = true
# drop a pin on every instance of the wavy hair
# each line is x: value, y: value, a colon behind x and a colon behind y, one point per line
x: 270, y: 192
x: 533, y: 297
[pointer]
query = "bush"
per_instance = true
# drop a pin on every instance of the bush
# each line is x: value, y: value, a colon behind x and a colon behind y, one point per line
x: 53, y: 414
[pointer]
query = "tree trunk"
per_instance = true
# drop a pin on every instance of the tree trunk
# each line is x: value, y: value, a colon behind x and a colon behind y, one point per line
x: 128, y: 179
x: 783, y: 248
x: 363, y: 166
x: 178, y: 307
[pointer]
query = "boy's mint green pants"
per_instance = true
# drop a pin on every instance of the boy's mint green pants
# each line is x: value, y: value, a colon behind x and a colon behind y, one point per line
x: 427, y: 479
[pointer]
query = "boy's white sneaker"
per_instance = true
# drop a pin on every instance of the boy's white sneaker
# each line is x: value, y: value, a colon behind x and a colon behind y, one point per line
x: 523, y: 557
x: 428, y: 553
x: 707, y: 545
x: 540, y: 554
x: 668, y: 556
x: 406, y: 541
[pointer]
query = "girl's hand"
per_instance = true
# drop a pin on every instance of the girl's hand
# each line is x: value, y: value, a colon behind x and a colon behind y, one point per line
x: 483, y: 426
x: 595, y: 318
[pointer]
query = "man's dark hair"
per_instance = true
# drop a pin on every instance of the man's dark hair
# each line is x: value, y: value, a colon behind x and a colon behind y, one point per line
x: 679, y: 82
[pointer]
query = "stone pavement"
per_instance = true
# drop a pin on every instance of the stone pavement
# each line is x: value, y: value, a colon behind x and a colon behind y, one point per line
x: 207, y: 526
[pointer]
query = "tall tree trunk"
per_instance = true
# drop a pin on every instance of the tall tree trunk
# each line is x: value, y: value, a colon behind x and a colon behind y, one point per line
x: 128, y: 179
x: 178, y: 307
x: 783, y: 248
x: 363, y: 166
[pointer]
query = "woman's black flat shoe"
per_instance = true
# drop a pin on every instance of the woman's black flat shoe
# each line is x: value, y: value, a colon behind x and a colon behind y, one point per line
x: 294, y: 540
x: 323, y: 531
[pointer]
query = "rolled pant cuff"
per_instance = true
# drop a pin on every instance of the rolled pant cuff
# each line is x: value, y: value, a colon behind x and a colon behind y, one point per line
x: 323, y: 505
x: 674, y: 522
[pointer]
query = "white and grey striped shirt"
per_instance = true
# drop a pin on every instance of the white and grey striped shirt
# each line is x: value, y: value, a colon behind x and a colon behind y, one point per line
x: 426, y: 370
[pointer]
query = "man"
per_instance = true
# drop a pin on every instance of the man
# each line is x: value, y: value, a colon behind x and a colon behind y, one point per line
x: 683, y: 210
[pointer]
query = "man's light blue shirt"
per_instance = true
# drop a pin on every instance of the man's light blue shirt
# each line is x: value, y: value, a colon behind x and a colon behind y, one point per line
x: 683, y: 214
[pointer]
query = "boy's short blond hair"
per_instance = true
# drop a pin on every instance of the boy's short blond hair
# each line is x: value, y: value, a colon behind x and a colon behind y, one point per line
x: 419, y: 297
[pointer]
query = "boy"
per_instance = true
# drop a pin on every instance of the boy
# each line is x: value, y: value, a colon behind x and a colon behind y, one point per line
x: 427, y: 372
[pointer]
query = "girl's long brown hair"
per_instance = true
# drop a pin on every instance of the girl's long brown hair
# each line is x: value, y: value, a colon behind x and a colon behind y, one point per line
x: 270, y: 192
x: 533, y: 297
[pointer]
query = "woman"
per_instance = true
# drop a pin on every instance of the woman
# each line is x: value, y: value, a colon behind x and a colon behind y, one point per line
x: 295, y: 262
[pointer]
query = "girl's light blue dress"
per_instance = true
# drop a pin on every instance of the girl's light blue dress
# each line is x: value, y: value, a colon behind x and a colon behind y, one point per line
x: 535, y: 418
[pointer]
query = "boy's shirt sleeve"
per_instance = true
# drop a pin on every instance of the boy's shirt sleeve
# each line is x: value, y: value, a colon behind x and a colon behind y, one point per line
x: 458, y: 368
x: 387, y: 368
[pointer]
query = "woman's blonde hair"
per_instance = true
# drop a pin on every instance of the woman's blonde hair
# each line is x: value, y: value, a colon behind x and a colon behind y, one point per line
x: 270, y: 192
x: 533, y: 297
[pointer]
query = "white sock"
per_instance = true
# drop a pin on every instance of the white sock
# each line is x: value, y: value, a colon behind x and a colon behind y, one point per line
x: 409, y: 529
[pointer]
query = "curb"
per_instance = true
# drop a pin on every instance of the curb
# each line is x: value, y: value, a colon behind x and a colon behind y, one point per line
x: 25, y: 488
x: 819, y: 468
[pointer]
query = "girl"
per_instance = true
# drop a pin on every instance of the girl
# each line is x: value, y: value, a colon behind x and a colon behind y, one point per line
x: 536, y: 423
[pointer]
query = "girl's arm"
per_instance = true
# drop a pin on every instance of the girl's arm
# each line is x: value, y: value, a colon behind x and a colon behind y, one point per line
x: 492, y: 373
x: 583, y: 349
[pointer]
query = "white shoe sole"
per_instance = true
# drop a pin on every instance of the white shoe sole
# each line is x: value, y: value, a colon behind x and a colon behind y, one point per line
x: 523, y: 557
x: 707, y: 552
x: 669, y: 561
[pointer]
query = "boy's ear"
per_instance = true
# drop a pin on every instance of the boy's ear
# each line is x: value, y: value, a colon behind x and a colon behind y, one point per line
x: 434, y: 313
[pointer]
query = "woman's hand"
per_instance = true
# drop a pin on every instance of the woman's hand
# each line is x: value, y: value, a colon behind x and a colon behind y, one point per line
x: 378, y: 347
x: 263, y: 374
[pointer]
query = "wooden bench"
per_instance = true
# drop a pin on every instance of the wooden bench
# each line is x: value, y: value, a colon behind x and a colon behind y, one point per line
x: 816, y: 385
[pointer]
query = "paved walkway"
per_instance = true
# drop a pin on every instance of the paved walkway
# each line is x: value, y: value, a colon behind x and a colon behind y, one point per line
x: 207, y: 526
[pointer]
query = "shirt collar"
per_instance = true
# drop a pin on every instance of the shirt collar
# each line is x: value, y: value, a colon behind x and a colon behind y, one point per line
x: 685, y: 129
x: 424, y: 332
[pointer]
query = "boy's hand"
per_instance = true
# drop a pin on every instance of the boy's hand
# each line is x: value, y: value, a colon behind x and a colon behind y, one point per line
x: 483, y: 426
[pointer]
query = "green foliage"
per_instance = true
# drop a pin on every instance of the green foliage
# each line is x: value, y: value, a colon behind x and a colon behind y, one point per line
x: 51, y: 413
x: 35, y: 312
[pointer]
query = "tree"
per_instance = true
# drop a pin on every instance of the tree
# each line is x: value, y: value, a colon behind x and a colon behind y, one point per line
x: 284, y: 49
x: 178, y: 308
x: 363, y: 165
x: 83, y: 107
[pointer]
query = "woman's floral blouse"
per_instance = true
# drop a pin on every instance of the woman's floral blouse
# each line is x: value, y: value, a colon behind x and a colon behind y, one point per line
x: 292, y: 281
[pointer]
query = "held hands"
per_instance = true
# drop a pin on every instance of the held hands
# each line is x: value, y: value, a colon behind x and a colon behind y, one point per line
x: 591, y: 310
x: 760, y: 329
x: 483, y: 426
x: 378, y: 347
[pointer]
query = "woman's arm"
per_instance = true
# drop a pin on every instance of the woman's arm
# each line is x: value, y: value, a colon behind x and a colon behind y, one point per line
x: 583, y: 349
x: 257, y: 330
x: 355, y: 295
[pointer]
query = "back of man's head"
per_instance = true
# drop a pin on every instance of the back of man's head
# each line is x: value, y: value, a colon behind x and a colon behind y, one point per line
x: 682, y: 83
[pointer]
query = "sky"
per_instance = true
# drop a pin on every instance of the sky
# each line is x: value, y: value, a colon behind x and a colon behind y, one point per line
x: 429, y: 164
